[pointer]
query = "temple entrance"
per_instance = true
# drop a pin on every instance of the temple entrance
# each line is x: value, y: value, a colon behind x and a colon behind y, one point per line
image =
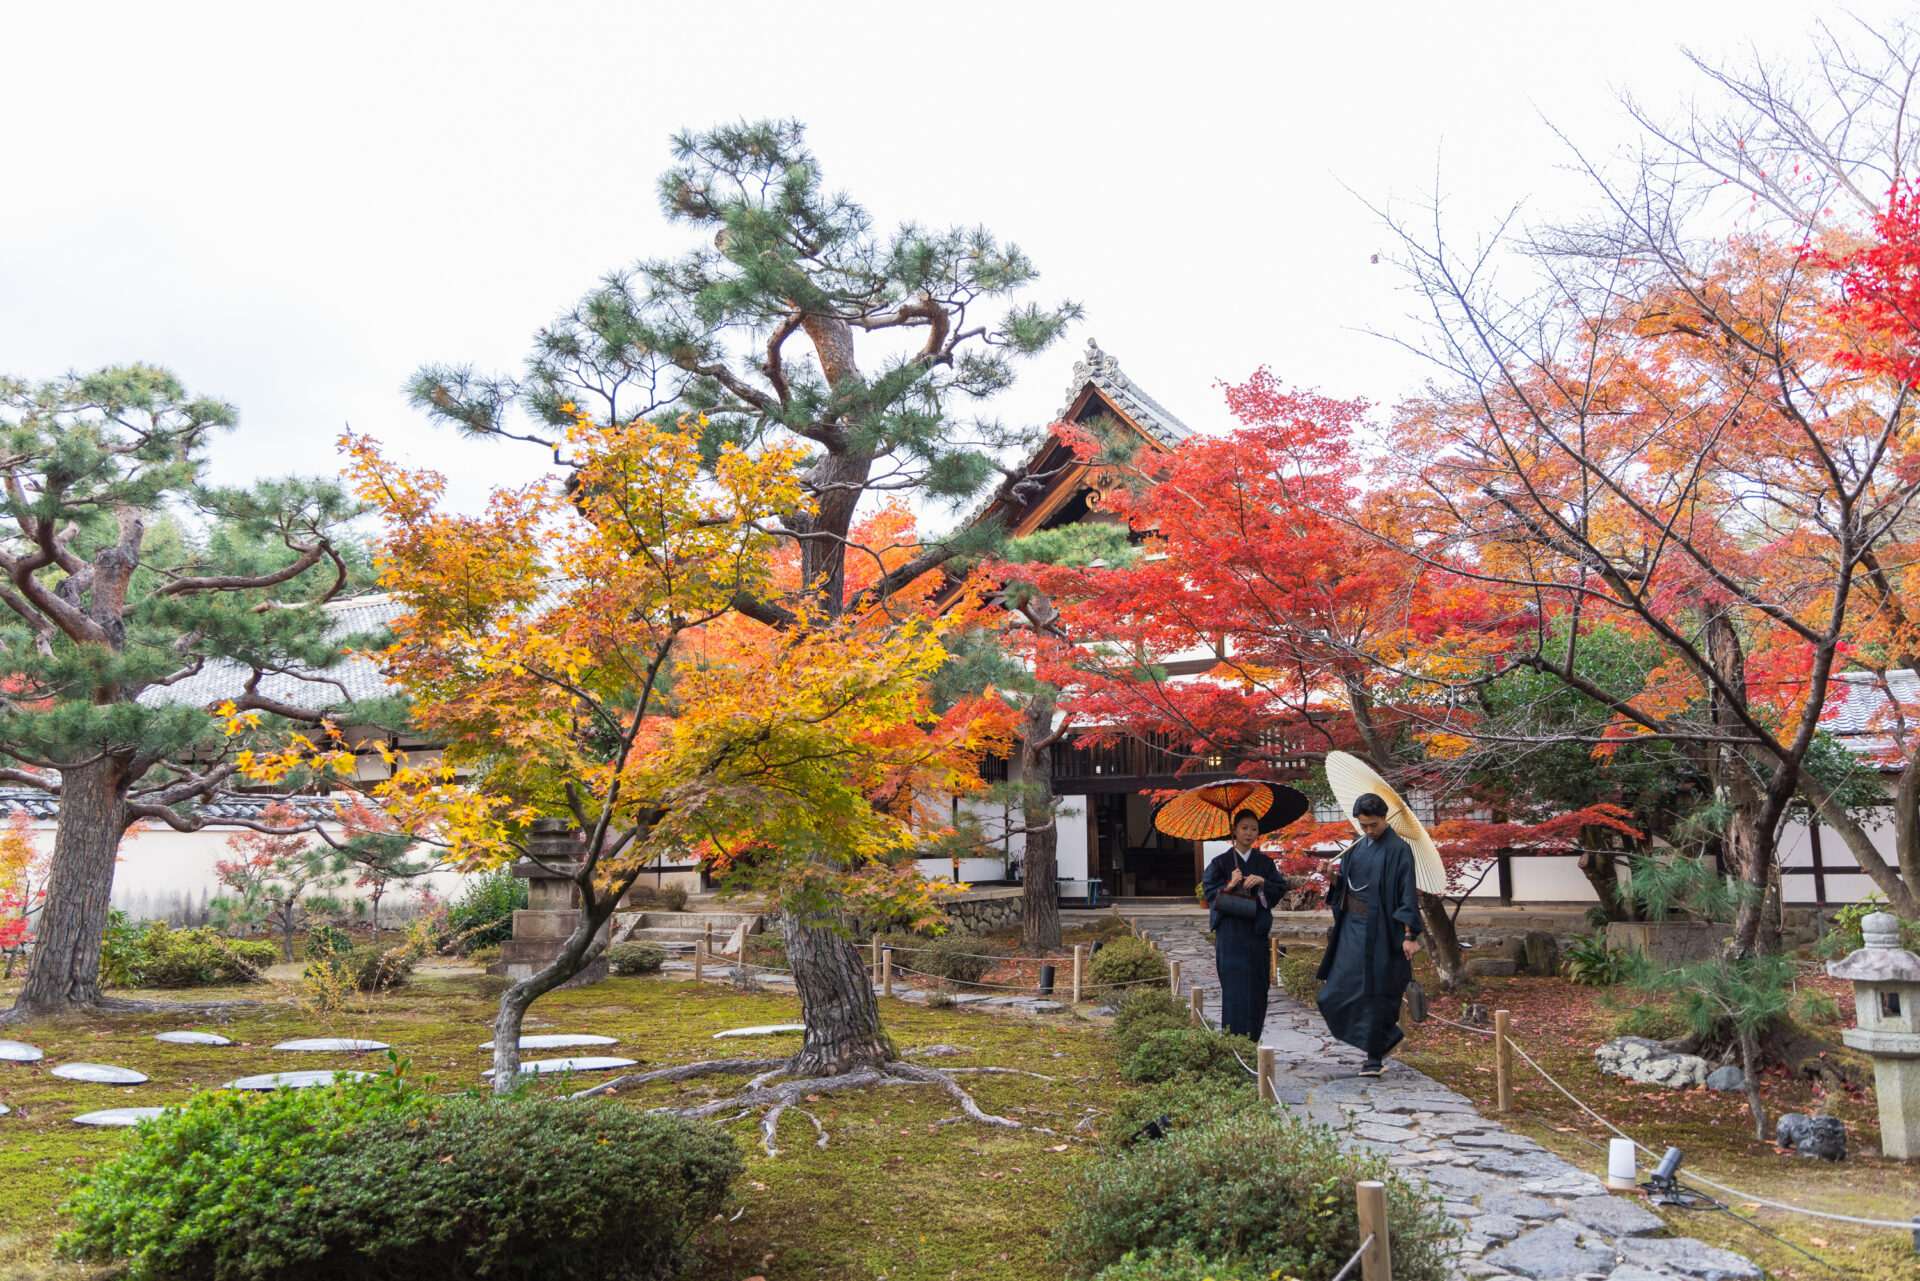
x: 1133, y: 860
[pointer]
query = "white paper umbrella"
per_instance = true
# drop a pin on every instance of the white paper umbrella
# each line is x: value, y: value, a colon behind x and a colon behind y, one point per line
x: 1351, y: 778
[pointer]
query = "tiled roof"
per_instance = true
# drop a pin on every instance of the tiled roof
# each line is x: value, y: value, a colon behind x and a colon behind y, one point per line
x: 358, y: 680
x: 1103, y: 371
x: 43, y: 805
x: 1860, y: 714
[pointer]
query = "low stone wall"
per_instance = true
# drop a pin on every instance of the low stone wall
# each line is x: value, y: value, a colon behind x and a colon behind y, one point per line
x: 984, y: 911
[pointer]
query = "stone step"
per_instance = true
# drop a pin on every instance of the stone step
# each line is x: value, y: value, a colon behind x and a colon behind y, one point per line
x: 723, y: 923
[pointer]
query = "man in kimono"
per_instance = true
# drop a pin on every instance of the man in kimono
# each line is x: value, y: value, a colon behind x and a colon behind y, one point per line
x: 1376, y: 925
x: 1241, y: 886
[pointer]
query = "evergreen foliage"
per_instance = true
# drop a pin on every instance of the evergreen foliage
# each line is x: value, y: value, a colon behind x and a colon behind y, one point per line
x: 378, y: 1179
x: 125, y: 573
x: 1262, y: 1186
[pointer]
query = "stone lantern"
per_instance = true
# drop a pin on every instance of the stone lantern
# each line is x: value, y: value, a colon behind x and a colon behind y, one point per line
x: 553, y: 907
x: 1886, y: 999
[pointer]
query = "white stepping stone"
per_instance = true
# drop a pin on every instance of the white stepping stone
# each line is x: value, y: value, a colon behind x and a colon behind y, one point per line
x: 332, y: 1044
x: 100, y: 1074
x: 191, y: 1038
x: 768, y: 1029
x: 292, y: 1080
x: 560, y: 1041
x: 118, y: 1116
x: 19, y: 1052
x: 590, y: 1063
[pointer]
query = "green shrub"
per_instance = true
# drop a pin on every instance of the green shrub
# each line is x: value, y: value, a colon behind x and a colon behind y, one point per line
x: 957, y: 958
x: 376, y: 1180
x: 327, y: 940
x: 673, y: 897
x: 1185, y: 1102
x: 1261, y: 1186
x: 1591, y: 961
x: 483, y: 955
x: 635, y: 958
x: 370, y: 968
x: 1844, y: 934
x: 1144, y: 1011
x: 1192, y: 1051
x: 152, y: 954
x: 1813, y: 1007
x: 1299, y: 975
x: 484, y: 912
x: 1128, y: 961
x: 1181, y: 1264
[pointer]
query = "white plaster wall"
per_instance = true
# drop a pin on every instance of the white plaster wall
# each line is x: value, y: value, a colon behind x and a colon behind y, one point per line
x: 1550, y: 879
x: 168, y: 875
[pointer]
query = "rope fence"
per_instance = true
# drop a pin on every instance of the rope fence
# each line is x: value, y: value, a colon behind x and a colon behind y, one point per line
x: 1507, y: 1040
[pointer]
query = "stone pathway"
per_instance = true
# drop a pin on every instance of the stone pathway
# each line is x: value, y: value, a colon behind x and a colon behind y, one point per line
x: 1524, y: 1212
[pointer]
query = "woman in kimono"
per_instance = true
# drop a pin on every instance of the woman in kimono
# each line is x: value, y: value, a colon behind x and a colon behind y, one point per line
x: 1376, y: 925
x: 1241, y: 886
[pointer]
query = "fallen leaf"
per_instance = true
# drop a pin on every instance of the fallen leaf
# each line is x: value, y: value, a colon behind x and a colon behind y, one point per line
x: 1819, y: 1241
x: 1061, y: 1148
x: 448, y: 1157
x: 1751, y: 1205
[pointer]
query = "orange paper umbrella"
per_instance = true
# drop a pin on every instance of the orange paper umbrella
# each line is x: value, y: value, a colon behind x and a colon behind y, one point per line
x: 1205, y: 813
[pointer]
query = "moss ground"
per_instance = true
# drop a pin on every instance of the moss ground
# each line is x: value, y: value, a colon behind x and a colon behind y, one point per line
x: 1559, y: 1024
x: 895, y: 1193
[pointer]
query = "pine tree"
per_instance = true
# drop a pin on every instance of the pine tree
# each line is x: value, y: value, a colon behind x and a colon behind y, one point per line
x: 798, y: 321
x: 124, y: 575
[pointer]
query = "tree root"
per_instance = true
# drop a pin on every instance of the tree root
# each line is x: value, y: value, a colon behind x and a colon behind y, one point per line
x: 777, y: 1099
x: 125, y: 1005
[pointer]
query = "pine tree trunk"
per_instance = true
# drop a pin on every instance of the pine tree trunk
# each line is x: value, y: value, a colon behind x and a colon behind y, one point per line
x: 1444, y: 943
x: 1600, y: 866
x: 65, y: 971
x: 837, y: 1004
x: 1040, y: 903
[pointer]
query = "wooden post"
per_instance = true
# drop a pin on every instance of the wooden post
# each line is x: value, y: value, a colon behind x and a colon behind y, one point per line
x: 1265, y: 1064
x: 1196, y: 1006
x: 1079, y: 967
x: 1273, y: 960
x: 876, y: 959
x: 1502, y: 1062
x: 708, y: 940
x: 886, y: 971
x: 699, y: 959
x: 1376, y: 1262
x: 1173, y: 976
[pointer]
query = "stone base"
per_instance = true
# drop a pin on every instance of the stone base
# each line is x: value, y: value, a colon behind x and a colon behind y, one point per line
x: 1896, y: 1084
x: 523, y: 958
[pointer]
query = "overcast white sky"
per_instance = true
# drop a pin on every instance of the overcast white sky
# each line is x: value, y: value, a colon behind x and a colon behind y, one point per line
x: 295, y: 206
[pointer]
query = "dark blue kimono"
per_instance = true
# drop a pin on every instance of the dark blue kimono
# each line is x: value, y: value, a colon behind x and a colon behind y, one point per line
x: 1376, y: 908
x: 1240, y: 942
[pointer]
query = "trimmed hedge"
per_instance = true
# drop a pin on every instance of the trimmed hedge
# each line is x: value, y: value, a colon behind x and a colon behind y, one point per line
x: 1182, y: 1264
x: 635, y: 958
x: 1144, y: 1011
x: 1185, y: 1103
x: 152, y: 954
x: 1262, y: 1186
x: 1191, y: 1051
x: 378, y: 1180
x: 1127, y: 960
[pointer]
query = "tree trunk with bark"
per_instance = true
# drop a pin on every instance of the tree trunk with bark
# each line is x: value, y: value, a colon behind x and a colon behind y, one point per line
x: 1443, y: 942
x: 837, y: 1004
x: 1040, y: 902
x: 1601, y: 866
x: 64, y: 974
